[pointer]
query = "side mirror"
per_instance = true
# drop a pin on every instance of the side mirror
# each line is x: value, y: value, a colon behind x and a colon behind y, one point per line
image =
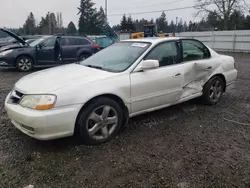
x: 149, y: 64
x: 39, y: 46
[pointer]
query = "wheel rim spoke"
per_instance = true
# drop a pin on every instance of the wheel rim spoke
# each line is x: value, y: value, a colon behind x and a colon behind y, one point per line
x: 105, y: 112
x: 212, y: 95
x: 94, y: 129
x: 96, y: 118
x: 111, y: 120
x: 105, y: 132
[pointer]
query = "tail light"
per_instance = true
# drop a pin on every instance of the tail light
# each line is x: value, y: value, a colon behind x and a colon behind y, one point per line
x: 96, y: 47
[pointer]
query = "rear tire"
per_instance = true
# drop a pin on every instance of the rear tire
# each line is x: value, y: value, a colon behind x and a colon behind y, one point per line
x: 24, y: 63
x: 82, y: 57
x: 213, y: 91
x: 99, y: 122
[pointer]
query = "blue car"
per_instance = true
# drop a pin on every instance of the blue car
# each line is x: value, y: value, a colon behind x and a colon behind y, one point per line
x: 50, y: 50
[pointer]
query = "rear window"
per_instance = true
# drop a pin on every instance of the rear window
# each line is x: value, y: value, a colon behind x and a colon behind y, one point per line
x: 83, y: 41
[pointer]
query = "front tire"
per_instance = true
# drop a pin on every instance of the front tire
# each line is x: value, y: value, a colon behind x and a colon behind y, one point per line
x: 213, y: 90
x: 24, y: 63
x: 99, y: 121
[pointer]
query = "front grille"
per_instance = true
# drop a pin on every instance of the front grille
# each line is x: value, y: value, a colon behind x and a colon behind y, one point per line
x: 15, y: 97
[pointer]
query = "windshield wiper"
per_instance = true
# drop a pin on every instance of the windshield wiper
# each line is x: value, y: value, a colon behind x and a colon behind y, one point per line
x: 95, y: 67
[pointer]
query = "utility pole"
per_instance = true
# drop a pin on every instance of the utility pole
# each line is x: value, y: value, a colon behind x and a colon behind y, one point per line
x: 49, y: 23
x: 106, y: 10
x: 176, y: 24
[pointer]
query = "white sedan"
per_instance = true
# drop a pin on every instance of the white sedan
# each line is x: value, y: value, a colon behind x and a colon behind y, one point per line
x: 94, y: 98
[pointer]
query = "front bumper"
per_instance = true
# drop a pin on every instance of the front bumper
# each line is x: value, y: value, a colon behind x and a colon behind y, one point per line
x: 7, y: 62
x: 43, y: 125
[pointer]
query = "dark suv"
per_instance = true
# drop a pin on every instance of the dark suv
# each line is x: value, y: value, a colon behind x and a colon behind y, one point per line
x: 46, y: 51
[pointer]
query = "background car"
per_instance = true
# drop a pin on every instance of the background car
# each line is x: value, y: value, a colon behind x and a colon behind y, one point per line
x: 46, y: 51
x: 95, y: 98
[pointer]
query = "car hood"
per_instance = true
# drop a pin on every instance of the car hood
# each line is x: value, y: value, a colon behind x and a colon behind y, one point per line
x: 19, y: 39
x: 49, y: 80
x: 11, y: 46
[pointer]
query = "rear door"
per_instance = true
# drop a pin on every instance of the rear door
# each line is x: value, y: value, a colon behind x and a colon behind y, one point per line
x: 70, y: 46
x: 198, y: 65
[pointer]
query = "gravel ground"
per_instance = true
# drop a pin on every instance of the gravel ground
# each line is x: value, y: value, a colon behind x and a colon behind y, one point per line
x: 187, y: 145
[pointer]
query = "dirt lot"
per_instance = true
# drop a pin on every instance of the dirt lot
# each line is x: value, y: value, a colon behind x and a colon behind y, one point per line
x: 188, y: 145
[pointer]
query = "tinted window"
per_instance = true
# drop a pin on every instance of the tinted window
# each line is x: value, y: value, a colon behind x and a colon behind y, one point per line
x: 50, y: 42
x: 193, y: 50
x: 166, y: 54
x: 83, y: 41
x: 69, y: 41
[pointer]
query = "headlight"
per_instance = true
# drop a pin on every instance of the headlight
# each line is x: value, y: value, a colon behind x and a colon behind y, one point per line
x: 38, y: 102
x: 5, y: 52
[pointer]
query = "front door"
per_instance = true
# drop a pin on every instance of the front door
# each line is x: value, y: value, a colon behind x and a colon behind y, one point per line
x: 46, y: 53
x: 158, y: 87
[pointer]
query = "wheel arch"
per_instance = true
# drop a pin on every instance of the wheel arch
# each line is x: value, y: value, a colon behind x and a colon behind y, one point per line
x: 220, y: 75
x: 111, y: 96
x: 28, y: 55
x: 83, y: 51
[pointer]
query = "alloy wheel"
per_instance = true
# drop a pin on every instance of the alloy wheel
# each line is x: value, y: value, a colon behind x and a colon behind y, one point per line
x: 216, y: 90
x: 25, y: 64
x: 102, y: 122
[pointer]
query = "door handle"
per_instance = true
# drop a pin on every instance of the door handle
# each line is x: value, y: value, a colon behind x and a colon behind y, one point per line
x: 177, y: 75
x: 209, y: 68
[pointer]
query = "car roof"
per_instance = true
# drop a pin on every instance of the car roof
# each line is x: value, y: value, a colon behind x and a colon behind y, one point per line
x: 153, y: 40
x: 76, y: 37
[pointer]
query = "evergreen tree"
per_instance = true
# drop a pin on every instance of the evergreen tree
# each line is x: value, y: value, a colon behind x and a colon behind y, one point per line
x: 180, y: 26
x: 29, y: 26
x: 87, y: 17
x: 130, y: 24
x: 124, y: 23
x: 172, y: 26
x: 71, y: 29
x: 185, y: 27
x: 161, y: 22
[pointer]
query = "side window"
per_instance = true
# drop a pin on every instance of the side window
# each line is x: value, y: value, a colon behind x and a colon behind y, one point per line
x: 166, y: 54
x: 64, y: 41
x: 73, y: 41
x: 83, y: 41
x: 193, y: 50
x: 50, y: 42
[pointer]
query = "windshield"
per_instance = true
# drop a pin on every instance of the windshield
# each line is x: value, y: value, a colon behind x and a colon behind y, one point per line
x: 118, y: 57
x: 38, y: 41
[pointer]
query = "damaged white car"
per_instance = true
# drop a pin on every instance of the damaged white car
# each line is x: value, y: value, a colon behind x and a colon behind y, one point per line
x: 95, y: 98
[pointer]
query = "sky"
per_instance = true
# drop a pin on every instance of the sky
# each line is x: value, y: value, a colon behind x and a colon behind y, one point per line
x: 14, y: 12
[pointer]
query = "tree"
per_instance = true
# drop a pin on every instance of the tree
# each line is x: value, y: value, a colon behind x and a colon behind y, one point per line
x: 161, y: 22
x: 99, y: 20
x: 236, y: 20
x: 185, y: 27
x: 87, y: 17
x: 172, y: 26
x: 124, y: 23
x: 180, y: 26
x: 29, y: 26
x: 130, y: 24
x: 52, y: 23
x: 247, y: 22
x: 212, y: 20
x: 71, y: 30
x: 48, y: 24
x: 222, y: 8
